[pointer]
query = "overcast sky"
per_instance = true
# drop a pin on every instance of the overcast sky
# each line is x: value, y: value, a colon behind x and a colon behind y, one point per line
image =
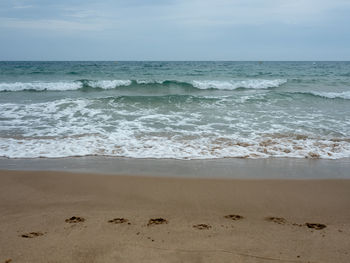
x: 175, y: 30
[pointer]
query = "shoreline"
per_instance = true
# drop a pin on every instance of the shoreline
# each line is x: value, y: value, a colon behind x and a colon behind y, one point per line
x: 270, y: 168
x: 52, y: 216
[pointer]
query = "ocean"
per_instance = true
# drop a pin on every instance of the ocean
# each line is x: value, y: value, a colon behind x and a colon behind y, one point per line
x: 180, y: 110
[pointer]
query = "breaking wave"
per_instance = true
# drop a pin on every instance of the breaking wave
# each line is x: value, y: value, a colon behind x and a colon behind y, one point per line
x: 332, y: 95
x: 114, y: 84
x: 244, y: 84
x: 171, y: 126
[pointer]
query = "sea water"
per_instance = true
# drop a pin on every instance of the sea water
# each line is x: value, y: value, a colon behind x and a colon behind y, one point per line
x: 182, y: 110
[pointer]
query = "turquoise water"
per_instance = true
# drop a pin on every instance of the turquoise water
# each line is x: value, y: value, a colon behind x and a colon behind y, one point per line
x: 185, y: 110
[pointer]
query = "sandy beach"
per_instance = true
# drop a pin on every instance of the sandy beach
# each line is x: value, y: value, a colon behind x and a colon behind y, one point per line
x: 71, y: 217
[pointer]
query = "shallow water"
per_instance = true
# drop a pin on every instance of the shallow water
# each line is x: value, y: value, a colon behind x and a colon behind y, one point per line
x: 184, y: 110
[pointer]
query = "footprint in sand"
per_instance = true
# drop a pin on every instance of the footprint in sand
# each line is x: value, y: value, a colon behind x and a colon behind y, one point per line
x: 202, y: 226
x: 316, y: 226
x: 118, y: 220
x: 32, y: 235
x: 277, y: 220
x: 75, y: 219
x: 234, y: 217
x: 157, y: 221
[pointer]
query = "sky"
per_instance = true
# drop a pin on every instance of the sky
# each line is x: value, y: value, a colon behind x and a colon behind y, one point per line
x: 175, y: 30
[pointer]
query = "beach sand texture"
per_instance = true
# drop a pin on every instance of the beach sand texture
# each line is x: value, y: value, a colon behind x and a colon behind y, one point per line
x: 67, y: 217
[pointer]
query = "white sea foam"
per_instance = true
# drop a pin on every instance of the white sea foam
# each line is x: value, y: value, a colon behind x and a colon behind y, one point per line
x: 149, y: 81
x: 62, y: 86
x: 77, y: 127
x: 125, y: 144
x: 40, y: 86
x: 232, y: 85
x: 109, y: 84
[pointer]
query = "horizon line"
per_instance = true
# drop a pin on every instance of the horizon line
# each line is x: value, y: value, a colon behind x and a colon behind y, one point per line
x: 175, y: 60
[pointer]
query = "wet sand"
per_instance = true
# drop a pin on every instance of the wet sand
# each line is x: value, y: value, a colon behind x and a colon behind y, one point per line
x: 71, y: 217
x: 238, y: 168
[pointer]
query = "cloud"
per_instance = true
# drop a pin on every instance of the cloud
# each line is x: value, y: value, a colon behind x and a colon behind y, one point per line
x: 47, y: 24
x: 82, y: 13
x: 18, y: 6
x: 254, y: 12
x: 158, y: 29
x: 189, y: 14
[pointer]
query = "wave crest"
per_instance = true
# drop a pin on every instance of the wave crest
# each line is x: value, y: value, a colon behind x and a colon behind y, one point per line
x: 243, y: 84
x: 333, y: 95
x: 113, y: 84
x: 40, y: 86
x: 327, y: 95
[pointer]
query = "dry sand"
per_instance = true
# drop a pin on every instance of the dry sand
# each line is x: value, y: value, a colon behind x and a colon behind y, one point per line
x: 67, y: 217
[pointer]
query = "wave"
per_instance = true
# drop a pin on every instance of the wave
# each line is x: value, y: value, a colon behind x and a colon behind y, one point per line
x: 40, y: 86
x: 154, y: 85
x: 108, y: 84
x: 243, y: 84
x: 333, y: 95
x: 328, y: 95
x: 158, y: 144
x: 114, y: 84
x: 162, y: 99
x: 170, y: 126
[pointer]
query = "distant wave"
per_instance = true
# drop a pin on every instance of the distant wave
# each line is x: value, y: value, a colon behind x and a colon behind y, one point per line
x: 328, y: 95
x: 244, y: 84
x: 94, y: 85
x: 40, y: 86
x: 108, y: 84
x: 114, y: 84
x: 333, y: 95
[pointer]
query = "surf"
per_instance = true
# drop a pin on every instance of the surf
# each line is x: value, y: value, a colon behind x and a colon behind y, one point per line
x: 86, y: 85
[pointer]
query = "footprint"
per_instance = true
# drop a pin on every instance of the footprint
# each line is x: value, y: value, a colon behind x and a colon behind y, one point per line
x: 75, y: 219
x: 157, y: 221
x: 234, y: 217
x: 316, y: 226
x: 32, y: 235
x: 118, y: 220
x: 202, y: 226
x: 8, y: 260
x: 277, y: 220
